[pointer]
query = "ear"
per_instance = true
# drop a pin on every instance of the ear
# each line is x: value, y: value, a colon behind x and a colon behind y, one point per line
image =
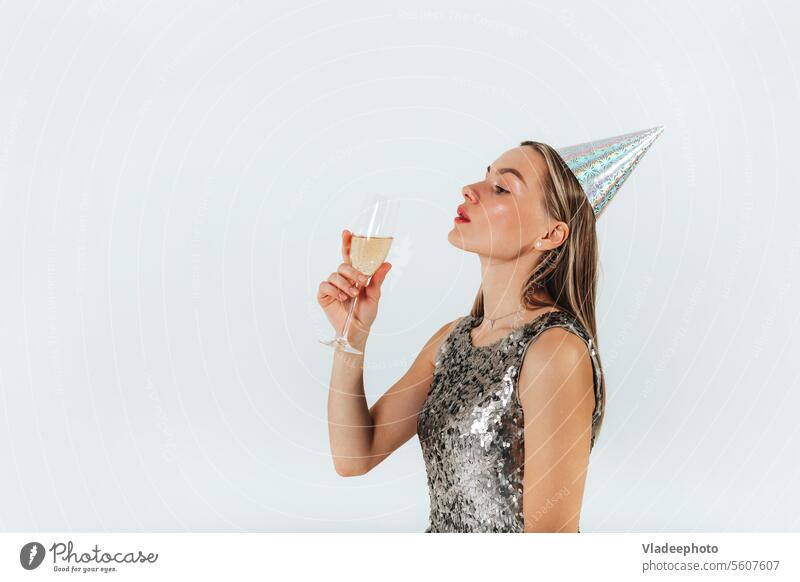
x: 558, y: 234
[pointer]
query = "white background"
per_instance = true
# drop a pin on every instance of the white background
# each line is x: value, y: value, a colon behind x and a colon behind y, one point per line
x: 174, y: 179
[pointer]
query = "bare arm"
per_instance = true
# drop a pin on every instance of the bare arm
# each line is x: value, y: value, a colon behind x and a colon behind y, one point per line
x: 557, y: 397
x: 362, y: 437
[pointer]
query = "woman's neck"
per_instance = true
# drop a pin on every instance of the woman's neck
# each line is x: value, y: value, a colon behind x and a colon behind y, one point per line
x: 502, y: 284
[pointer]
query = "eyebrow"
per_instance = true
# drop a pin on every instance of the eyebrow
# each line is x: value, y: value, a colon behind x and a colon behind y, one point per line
x: 509, y: 170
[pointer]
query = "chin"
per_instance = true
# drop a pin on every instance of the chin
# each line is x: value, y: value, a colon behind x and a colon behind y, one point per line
x: 455, y: 238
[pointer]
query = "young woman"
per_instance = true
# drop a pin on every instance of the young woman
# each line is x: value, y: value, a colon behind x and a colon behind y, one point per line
x: 508, y: 400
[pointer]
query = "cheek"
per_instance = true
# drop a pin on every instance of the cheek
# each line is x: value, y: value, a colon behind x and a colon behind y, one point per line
x: 505, y: 216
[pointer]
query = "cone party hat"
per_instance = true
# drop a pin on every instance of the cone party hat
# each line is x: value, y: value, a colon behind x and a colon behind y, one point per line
x: 603, y: 165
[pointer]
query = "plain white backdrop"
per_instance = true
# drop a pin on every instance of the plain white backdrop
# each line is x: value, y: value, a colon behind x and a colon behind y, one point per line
x: 174, y: 180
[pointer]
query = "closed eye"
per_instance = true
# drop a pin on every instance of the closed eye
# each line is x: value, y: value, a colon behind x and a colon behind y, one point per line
x: 499, y: 189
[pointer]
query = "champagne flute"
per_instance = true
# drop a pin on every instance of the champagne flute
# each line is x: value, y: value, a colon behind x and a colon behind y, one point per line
x: 373, y: 234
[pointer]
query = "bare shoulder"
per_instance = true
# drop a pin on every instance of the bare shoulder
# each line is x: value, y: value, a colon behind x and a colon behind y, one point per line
x: 555, y: 391
x: 556, y: 359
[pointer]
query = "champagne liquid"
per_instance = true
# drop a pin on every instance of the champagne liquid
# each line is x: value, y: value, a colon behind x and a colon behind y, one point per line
x: 367, y: 253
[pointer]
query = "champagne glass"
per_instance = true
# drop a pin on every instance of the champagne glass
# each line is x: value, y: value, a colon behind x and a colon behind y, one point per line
x: 373, y: 233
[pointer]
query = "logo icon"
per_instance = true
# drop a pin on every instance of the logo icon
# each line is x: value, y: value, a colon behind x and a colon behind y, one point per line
x: 31, y: 555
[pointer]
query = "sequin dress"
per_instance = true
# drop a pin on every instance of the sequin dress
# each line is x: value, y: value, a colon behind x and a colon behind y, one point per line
x: 471, y: 427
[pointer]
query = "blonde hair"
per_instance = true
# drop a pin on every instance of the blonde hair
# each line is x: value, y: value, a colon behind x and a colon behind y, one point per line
x: 569, y: 272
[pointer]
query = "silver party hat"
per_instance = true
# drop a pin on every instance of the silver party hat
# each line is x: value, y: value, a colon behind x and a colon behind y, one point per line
x: 603, y: 165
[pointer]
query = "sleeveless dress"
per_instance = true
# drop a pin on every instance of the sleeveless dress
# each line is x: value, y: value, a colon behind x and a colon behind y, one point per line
x: 471, y: 426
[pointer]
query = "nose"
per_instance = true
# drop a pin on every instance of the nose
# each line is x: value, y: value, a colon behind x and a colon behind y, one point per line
x: 469, y: 194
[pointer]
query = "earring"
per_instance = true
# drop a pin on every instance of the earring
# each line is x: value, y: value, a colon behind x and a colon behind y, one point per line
x: 538, y: 244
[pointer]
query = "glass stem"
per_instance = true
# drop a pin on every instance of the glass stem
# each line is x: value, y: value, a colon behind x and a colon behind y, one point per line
x: 346, y: 327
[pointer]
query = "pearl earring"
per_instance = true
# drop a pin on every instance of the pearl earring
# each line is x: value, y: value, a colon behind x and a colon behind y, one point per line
x: 538, y: 243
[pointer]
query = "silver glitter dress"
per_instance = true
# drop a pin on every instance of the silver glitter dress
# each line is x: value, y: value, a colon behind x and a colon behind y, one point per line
x: 471, y: 427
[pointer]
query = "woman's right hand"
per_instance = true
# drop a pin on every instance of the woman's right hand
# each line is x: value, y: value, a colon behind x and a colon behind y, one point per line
x: 337, y: 293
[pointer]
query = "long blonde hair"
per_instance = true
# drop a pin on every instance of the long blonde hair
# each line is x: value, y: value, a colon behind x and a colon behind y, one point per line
x: 568, y: 273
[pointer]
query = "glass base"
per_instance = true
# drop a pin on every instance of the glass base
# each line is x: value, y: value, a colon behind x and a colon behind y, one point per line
x: 341, y: 343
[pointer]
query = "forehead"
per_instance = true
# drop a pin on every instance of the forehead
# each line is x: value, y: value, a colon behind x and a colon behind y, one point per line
x: 526, y: 160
